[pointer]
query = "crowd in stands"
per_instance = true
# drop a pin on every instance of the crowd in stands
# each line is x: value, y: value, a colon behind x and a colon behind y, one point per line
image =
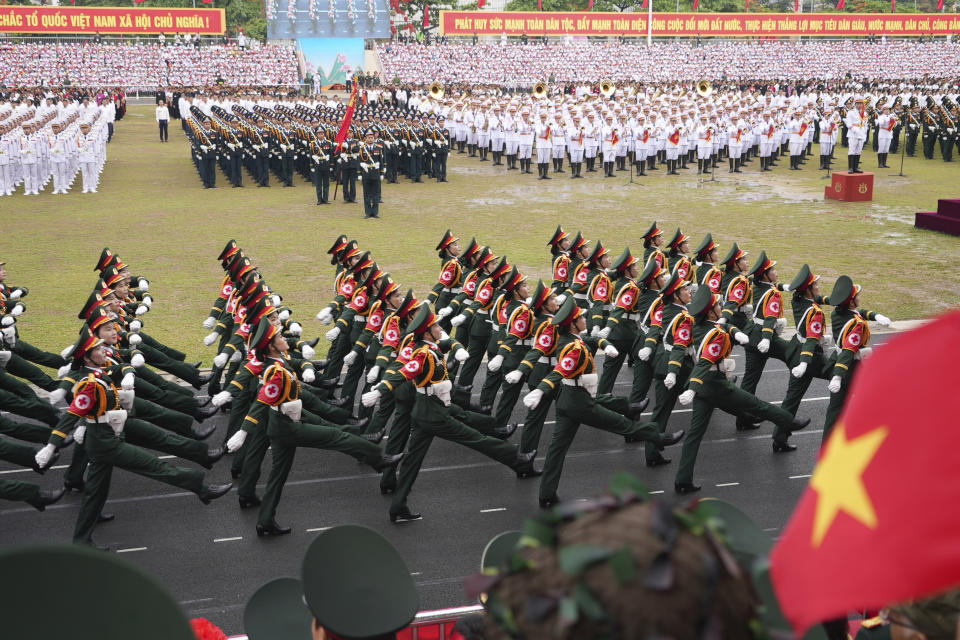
x: 518, y: 65
x: 145, y: 65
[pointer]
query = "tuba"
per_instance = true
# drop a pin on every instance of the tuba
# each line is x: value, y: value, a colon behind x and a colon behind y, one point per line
x: 540, y: 90
x: 704, y: 88
x: 607, y: 88
x: 436, y: 90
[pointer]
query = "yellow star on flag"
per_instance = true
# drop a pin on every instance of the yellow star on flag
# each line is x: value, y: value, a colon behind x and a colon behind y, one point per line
x: 838, y: 480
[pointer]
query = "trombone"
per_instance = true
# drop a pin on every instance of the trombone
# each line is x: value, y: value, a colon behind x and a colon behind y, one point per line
x: 607, y: 88
x: 540, y: 90
x: 704, y: 88
x: 436, y: 90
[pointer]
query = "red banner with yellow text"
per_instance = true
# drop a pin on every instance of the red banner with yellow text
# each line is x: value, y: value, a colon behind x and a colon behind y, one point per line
x: 32, y: 19
x: 578, y: 23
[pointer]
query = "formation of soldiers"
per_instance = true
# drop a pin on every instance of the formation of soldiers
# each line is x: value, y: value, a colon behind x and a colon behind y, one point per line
x: 673, y: 313
x: 49, y: 140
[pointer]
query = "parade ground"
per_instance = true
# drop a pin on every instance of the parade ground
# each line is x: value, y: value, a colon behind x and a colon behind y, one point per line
x: 152, y: 210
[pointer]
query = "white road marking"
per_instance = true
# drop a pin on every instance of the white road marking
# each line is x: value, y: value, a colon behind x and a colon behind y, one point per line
x: 56, y: 466
x: 228, y: 539
x: 728, y: 484
x: 415, y: 573
x: 165, y: 457
x: 131, y: 549
x: 317, y: 529
x: 772, y: 529
x: 802, y: 476
x: 492, y: 510
x: 655, y: 492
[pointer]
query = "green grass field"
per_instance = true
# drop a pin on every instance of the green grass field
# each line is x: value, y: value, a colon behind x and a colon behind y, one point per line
x: 152, y: 211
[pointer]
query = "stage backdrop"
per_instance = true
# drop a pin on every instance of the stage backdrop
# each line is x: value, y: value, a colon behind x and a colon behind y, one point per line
x: 328, y: 18
x: 332, y: 60
x: 32, y: 19
x: 578, y: 23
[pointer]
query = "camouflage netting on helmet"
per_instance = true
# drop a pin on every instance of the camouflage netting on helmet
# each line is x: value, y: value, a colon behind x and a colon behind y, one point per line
x: 620, y: 567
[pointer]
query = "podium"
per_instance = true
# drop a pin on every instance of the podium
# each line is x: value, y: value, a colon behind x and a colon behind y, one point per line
x: 946, y: 219
x: 850, y: 187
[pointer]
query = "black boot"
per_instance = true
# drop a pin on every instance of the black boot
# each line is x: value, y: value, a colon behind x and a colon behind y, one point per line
x: 699, y: 167
x: 737, y: 163
x: 546, y: 170
x: 730, y: 162
x: 560, y: 165
x: 643, y: 167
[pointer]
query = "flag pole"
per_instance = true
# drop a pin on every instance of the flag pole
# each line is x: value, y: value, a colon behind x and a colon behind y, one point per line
x: 649, y: 23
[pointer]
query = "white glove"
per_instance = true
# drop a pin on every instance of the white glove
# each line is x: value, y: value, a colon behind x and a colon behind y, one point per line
x: 15, y: 295
x: 799, y: 370
x: 220, y: 399
x: 308, y: 352
x: 865, y: 352
x: 209, y: 323
x: 781, y: 325
x: 66, y: 353
x: 17, y: 311
x: 283, y: 315
x: 57, y: 395
x: 670, y: 380
x: 443, y: 313
x: 133, y: 339
x: 561, y: 298
x: 741, y: 338
x: 786, y: 287
x: 458, y: 320
x: 834, y: 385
x: 333, y: 333
x: 461, y: 355
x: 444, y: 335
x: 350, y: 358
x: 309, y: 375
x: 373, y: 373
x: 645, y: 353
x: 135, y: 326
x: 764, y: 345
x: 143, y: 284
x: 142, y: 309
x: 595, y: 332
x: 295, y: 329
x: 236, y: 355
x: 826, y: 342
x: 325, y: 316
x: 79, y: 434
x: 605, y: 332
x: 137, y: 360
x: 211, y: 338
x: 881, y: 319
x: 236, y: 441
x: 686, y: 397
x: 370, y: 398
x: 722, y: 321
x: 9, y: 335
x: 513, y: 377
x: 495, y: 362
x: 64, y: 370
x: 7, y: 321
x: 276, y: 300
x: 611, y: 351
x: 44, y: 456
x: 128, y: 381
x: 532, y: 399
x: 221, y: 360
x: 147, y: 302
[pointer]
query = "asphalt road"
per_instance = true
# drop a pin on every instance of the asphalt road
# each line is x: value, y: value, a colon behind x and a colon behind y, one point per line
x: 210, y: 558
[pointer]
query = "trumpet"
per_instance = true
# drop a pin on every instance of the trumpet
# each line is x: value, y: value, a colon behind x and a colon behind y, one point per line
x: 436, y: 90
x: 607, y: 88
x: 540, y: 90
x: 704, y: 88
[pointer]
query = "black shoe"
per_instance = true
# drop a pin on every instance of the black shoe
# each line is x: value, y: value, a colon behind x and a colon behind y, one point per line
x: 202, y: 433
x: 505, y: 432
x: 214, y: 491
x: 46, y: 497
x: 53, y: 460
x: 783, y: 447
x: 203, y: 403
x: 272, y: 529
x: 235, y: 473
x: 405, y: 516
x: 667, y: 439
x: 204, y: 413
x: 686, y: 487
x: 385, y: 462
x: 659, y: 461
x: 524, y: 466
x: 746, y: 424
x: 202, y: 380
x: 213, y: 455
x: 547, y: 503
x: 325, y: 383
x: 360, y: 423
x: 388, y: 489
x: 376, y: 437
x: 73, y: 486
x: 338, y: 402
x: 247, y: 503
x: 636, y: 408
x: 485, y: 409
x: 105, y: 517
x: 798, y: 424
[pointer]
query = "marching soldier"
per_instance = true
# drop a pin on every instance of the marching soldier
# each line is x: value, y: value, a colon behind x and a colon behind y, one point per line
x: 371, y: 164
x: 321, y: 152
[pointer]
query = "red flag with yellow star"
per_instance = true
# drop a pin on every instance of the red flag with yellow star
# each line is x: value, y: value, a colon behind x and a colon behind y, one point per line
x: 879, y: 522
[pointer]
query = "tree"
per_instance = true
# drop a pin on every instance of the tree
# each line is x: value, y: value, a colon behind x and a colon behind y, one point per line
x: 415, y: 10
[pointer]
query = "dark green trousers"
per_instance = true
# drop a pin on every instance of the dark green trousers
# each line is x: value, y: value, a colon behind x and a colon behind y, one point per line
x: 431, y: 419
x: 642, y: 379
x: 819, y: 367
x: 401, y: 405
x: 575, y: 406
x: 162, y: 348
x: 26, y: 431
x: 37, y: 356
x: 155, y: 358
x: 254, y: 450
x: 509, y: 393
x: 837, y: 401
x: 783, y: 350
x: 171, y: 400
x: 338, y: 349
x: 666, y: 401
x: 19, y: 367
x: 18, y: 398
x: 286, y: 436
x: 17, y: 452
x: 612, y: 366
x: 18, y: 491
x: 179, y: 423
x: 533, y: 422
x: 169, y: 386
x: 476, y: 349
x: 719, y: 393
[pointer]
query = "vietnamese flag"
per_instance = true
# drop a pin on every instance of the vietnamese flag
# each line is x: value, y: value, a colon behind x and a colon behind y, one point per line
x: 426, y: 16
x: 841, y: 4
x: 939, y: 5
x: 645, y: 3
x: 893, y: 6
x: 696, y: 4
x: 590, y: 5
x: 480, y: 3
x: 539, y: 5
x: 347, y: 117
x: 878, y: 522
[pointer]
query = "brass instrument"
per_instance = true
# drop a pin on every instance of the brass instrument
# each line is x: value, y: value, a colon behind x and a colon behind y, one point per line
x: 436, y: 90
x: 607, y: 88
x: 704, y: 88
x: 540, y: 90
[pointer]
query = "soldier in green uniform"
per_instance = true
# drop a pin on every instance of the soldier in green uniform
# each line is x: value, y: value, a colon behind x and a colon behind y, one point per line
x: 577, y: 279
x: 914, y: 127
x: 321, y: 153
x: 450, y: 281
x: 578, y: 402
x: 707, y: 255
x: 432, y: 412
x: 710, y: 388
x: 560, y: 251
x: 622, y: 325
x: 851, y: 335
x: 931, y: 130
x: 649, y: 310
x: 371, y: 169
